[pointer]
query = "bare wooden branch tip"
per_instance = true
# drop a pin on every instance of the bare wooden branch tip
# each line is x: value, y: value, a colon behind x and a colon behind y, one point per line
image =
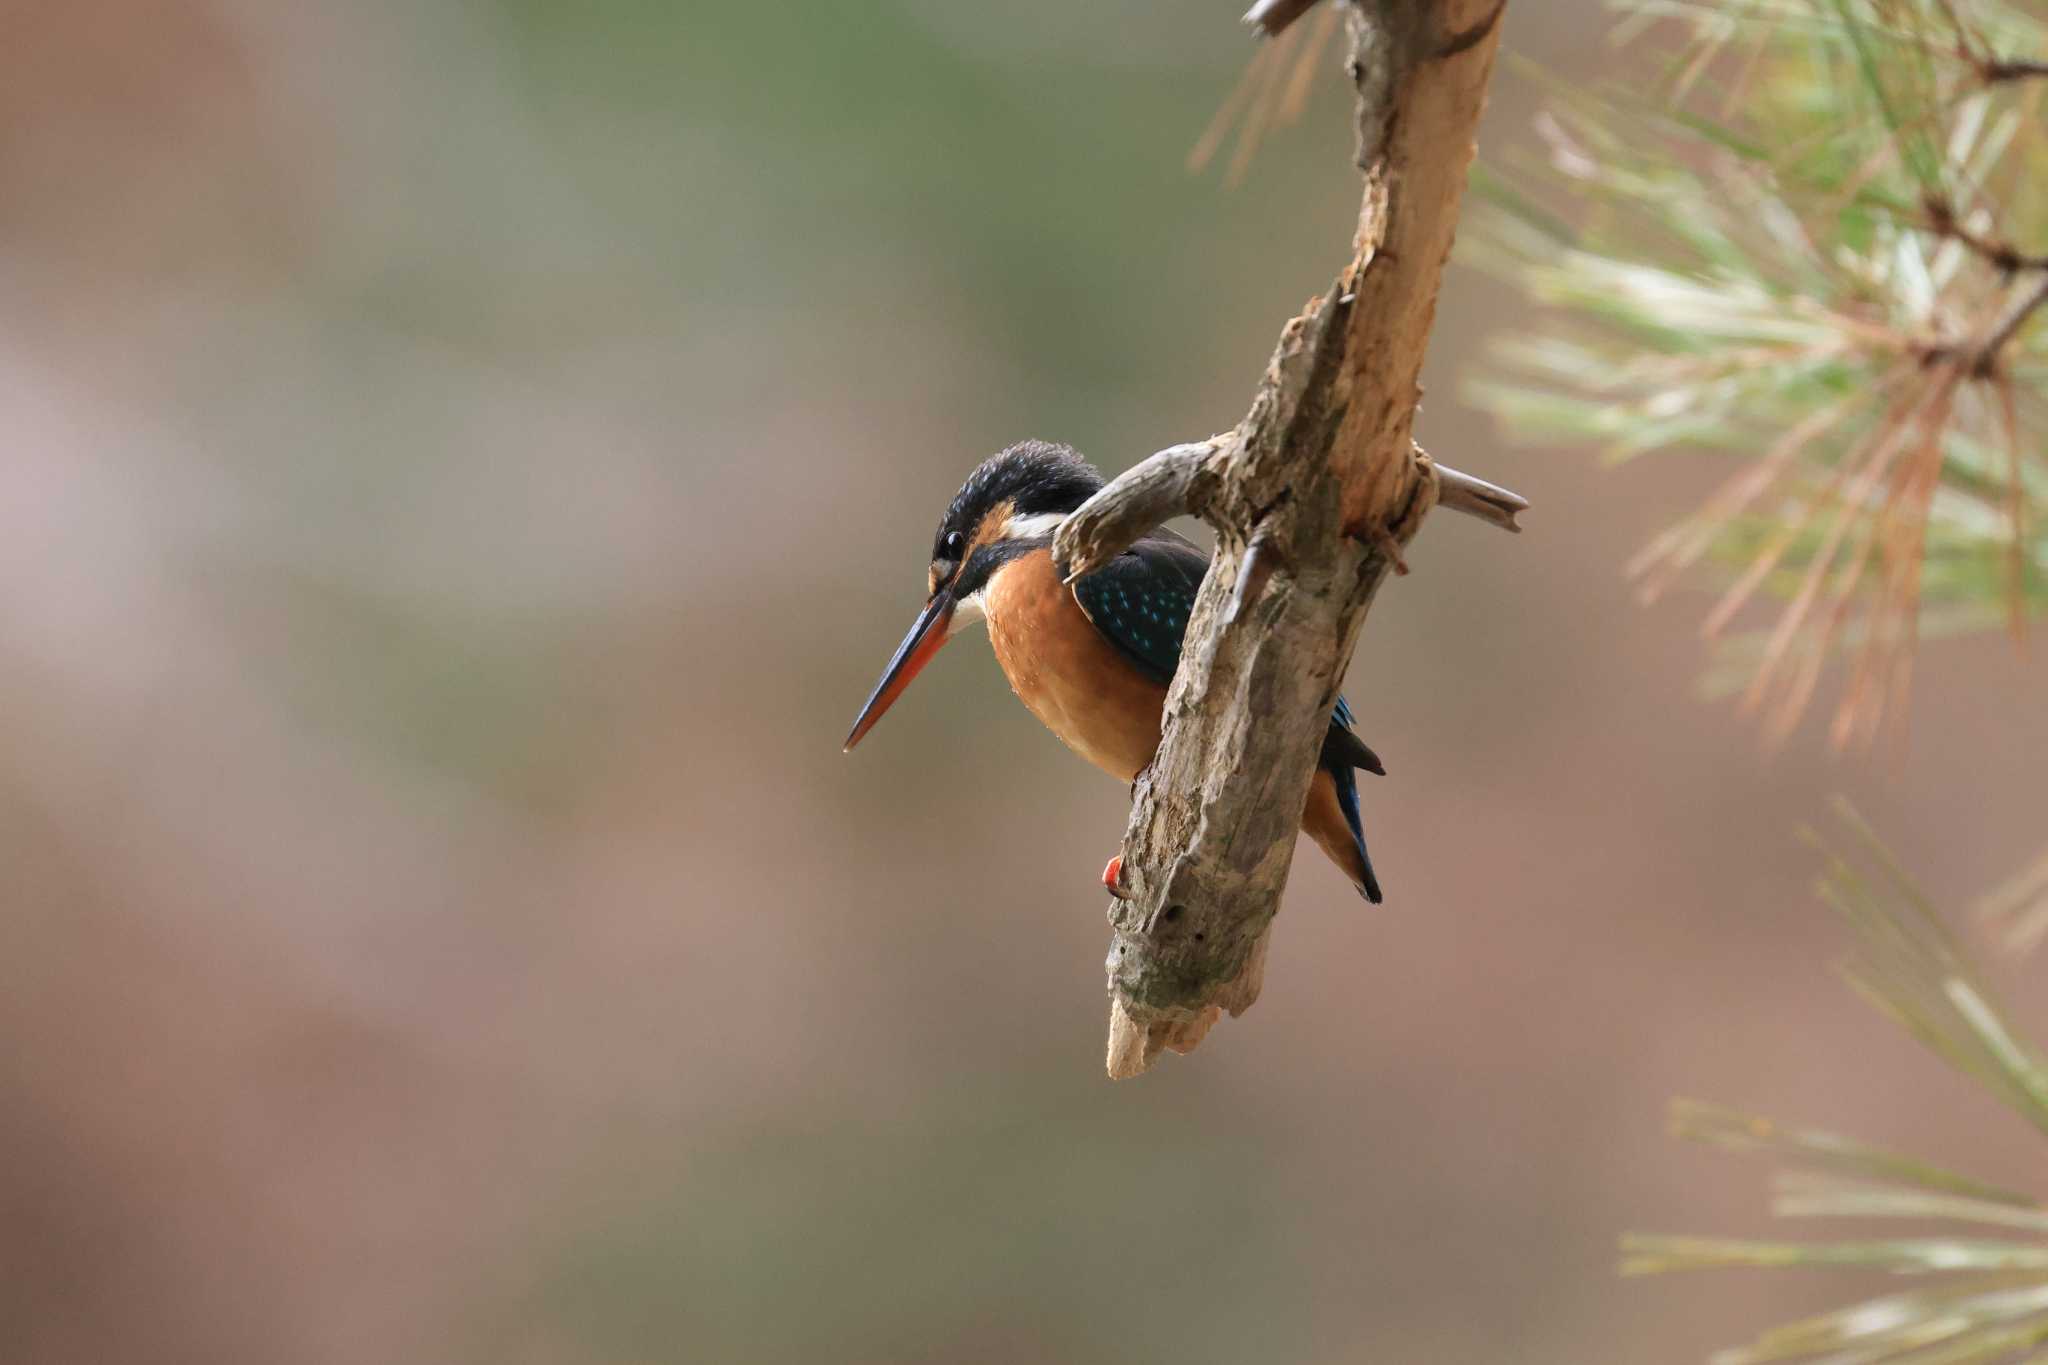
x: 1150, y: 493
x: 1475, y: 497
x: 1275, y: 17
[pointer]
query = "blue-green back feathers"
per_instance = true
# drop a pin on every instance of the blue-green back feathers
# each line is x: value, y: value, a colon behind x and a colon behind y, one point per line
x: 1141, y: 600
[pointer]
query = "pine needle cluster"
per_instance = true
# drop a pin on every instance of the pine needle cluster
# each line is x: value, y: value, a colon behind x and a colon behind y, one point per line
x: 1983, y: 1268
x: 1812, y: 238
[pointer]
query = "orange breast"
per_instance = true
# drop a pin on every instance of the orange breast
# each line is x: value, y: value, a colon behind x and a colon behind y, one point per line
x: 1072, y: 679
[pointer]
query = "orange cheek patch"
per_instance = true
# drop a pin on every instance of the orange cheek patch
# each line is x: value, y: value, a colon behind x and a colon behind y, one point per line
x: 990, y: 529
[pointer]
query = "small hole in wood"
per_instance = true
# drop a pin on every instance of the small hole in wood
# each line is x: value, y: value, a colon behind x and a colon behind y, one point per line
x: 1172, y: 913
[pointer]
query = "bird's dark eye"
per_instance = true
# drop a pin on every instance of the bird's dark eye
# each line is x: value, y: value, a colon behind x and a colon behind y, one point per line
x: 950, y: 546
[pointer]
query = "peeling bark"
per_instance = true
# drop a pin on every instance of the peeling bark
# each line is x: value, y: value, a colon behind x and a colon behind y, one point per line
x: 1312, y: 498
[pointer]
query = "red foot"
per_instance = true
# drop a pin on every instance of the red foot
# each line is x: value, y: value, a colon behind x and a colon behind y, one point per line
x: 1114, y: 870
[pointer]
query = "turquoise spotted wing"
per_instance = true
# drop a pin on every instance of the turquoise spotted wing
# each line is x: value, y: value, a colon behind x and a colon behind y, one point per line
x: 1141, y: 600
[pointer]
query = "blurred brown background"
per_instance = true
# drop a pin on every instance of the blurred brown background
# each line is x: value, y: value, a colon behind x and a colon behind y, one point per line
x: 464, y: 465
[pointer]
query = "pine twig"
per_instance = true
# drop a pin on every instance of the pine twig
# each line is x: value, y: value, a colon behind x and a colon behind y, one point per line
x: 2002, y: 256
x: 1984, y: 361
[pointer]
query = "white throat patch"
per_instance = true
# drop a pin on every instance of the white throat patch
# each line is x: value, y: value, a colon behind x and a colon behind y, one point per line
x: 1028, y: 528
x: 966, y: 612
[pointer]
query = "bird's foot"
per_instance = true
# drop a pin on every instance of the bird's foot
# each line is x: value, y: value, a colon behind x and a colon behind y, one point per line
x: 1111, y: 874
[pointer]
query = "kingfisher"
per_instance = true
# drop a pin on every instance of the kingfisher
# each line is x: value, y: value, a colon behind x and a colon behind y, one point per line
x: 1091, y: 659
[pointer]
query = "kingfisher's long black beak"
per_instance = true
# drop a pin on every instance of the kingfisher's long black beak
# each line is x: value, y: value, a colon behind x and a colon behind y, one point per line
x: 911, y: 656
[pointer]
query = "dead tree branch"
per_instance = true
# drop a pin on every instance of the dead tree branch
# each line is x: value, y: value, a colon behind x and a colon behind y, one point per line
x: 1313, y: 497
x: 1180, y: 480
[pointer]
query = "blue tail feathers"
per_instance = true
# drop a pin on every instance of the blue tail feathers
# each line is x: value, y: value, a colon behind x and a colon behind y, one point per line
x: 1347, y: 801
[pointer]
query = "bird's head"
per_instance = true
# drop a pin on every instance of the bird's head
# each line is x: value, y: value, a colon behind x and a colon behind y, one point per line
x: 1009, y: 506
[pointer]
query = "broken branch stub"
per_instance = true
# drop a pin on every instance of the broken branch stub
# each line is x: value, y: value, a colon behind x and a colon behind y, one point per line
x: 1476, y: 497
x: 1313, y: 497
x: 1275, y: 17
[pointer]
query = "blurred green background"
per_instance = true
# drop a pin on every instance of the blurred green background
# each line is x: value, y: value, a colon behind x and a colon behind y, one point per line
x: 464, y: 466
